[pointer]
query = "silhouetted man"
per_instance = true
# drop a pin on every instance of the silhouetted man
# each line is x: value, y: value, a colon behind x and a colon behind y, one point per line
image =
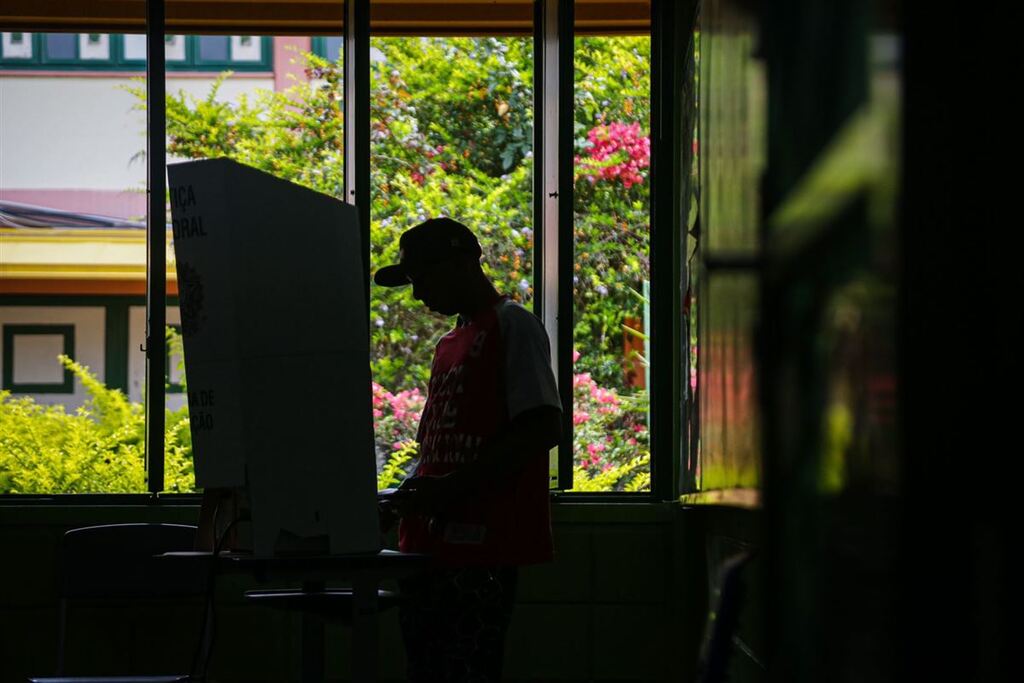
x: 478, y: 499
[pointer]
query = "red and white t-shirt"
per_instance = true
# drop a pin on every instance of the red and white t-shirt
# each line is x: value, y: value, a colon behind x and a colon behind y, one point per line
x: 485, y: 372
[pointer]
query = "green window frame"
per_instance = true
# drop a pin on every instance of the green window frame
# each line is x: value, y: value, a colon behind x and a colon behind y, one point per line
x: 321, y: 47
x: 66, y: 386
x: 116, y: 59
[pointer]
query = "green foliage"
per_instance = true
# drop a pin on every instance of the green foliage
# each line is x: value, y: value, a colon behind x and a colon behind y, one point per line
x: 394, y: 470
x: 100, y: 448
x: 629, y: 476
x: 611, y: 440
x: 97, y: 449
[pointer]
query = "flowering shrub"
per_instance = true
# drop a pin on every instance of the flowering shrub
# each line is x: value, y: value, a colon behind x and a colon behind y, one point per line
x: 618, y: 152
x: 611, y: 441
x: 395, y: 420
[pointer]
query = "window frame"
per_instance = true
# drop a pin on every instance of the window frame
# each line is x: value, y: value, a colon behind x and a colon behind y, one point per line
x: 553, y: 215
x: 10, y: 331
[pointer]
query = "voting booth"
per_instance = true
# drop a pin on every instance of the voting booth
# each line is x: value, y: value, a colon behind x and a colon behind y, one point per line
x: 271, y: 288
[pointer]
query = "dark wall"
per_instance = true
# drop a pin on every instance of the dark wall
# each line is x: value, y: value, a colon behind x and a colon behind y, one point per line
x: 625, y: 600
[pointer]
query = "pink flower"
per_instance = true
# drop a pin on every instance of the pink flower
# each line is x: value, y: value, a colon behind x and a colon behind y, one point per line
x: 582, y: 380
x: 617, y: 151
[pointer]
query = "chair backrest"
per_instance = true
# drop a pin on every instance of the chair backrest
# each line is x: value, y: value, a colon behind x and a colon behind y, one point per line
x: 119, y: 561
x: 722, y: 628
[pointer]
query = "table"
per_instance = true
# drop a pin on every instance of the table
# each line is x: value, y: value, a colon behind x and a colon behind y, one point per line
x: 365, y: 572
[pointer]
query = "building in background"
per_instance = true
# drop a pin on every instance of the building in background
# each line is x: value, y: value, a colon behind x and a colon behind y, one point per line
x: 73, y: 200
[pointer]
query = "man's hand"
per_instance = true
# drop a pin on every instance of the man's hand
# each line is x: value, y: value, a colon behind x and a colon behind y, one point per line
x: 425, y: 495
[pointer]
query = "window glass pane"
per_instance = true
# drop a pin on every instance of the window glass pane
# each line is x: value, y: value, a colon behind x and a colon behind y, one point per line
x: 16, y: 45
x: 213, y: 48
x: 688, y: 97
x: 94, y: 46
x: 332, y: 47
x: 732, y: 153
x: 174, y: 48
x: 72, y: 268
x: 134, y: 47
x: 730, y: 417
x: 245, y: 48
x: 612, y: 264
x: 451, y: 134
x: 60, y: 46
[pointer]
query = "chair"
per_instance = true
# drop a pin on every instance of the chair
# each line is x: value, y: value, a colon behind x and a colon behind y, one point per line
x: 117, y: 562
x: 721, y: 634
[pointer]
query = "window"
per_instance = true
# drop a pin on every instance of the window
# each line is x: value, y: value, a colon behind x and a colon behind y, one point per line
x: 94, y: 46
x: 72, y: 294
x: 29, y: 351
x: 724, y: 288
x: 214, y: 49
x: 16, y: 46
x: 99, y: 51
x: 329, y: 47
x: 60, y: 47
x: 246, y: 49
x: 452, y: 132
x: 73, y: 264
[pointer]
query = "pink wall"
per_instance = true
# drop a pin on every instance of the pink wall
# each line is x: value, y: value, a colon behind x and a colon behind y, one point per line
x: 115, y: 203
x: 286, y: 50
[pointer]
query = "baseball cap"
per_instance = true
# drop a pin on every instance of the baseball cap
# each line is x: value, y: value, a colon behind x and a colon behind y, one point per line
x: 433, y: 240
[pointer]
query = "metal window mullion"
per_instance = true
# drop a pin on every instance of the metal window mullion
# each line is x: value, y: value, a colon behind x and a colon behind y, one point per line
x: 666, y: 300
x: 539, y: 162
x: 566, y: 248
x: 547, y: 183
x: 156, y: 244
x: 553, y: 138
x: 357, y: 121
x: 566, y: 245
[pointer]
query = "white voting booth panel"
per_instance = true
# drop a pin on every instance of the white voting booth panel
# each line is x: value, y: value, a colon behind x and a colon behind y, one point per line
x: 274, y: 323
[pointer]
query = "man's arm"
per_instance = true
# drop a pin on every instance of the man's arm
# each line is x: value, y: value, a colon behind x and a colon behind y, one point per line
x: 530, y: 435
